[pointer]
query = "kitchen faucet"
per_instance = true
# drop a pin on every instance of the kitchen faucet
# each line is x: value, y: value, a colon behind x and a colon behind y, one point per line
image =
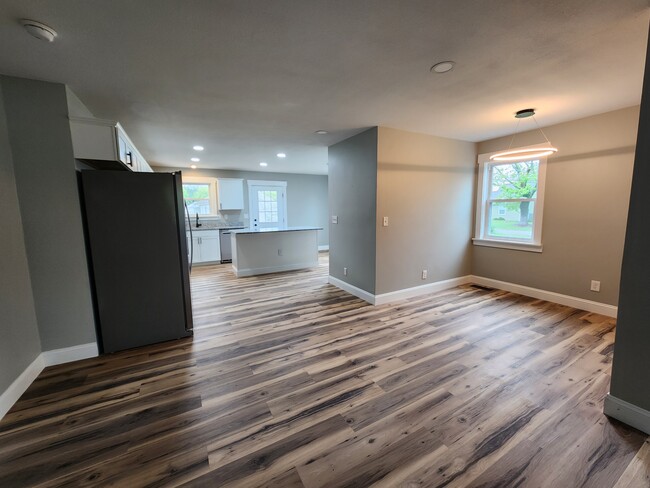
x: 198, y: 224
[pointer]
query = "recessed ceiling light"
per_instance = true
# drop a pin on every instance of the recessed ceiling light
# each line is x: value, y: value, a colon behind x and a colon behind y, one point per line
x: 195, y: 160
x: 321, y: 132
x: 198, y: 148
x: 281, y: 155
x: 443, y: 67
x: 193, y: 166
x: 39, y: 30
x: 263, y: 164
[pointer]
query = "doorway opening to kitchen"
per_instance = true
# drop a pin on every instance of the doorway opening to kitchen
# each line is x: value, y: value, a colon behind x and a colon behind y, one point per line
x: 267, y: 203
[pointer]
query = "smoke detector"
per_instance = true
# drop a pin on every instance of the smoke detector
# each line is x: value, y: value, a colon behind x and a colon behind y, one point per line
x: 39, y: 30
x: 442, y: 67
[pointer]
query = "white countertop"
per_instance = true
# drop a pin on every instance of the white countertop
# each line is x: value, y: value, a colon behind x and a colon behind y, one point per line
x: 273, y: 229
x: 207, y: 227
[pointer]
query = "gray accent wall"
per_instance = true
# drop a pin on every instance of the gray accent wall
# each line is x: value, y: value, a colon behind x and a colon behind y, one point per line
x: 585, y: 209
x: 353, y: 198
x: 632, y: 349
x: 425, y: 187
x: 306, y: 196
x: 46, y: 182
x: 19, y: 340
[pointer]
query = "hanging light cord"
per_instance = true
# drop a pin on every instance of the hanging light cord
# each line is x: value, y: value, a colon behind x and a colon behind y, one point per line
x: 529, y: 152
x: 515, y: 134
x: 517, y: 131
x: 540, y: 129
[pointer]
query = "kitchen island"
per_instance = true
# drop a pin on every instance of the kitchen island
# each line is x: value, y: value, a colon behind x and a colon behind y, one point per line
x: 270, y: 250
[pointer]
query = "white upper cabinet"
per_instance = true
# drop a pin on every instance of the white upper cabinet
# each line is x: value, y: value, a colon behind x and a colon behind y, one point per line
x: 104, y: 144
x: 230, y: 193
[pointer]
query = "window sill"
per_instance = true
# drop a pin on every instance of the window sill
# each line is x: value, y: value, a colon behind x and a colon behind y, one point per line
x: 517, y: 246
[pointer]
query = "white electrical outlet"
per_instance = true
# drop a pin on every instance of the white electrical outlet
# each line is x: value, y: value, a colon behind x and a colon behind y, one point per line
x: 595, y: 285
x: 279, y: 252
x: 345, y: 271
x: 335, y: 219
x: 385, y: 221
x: 424, y: 274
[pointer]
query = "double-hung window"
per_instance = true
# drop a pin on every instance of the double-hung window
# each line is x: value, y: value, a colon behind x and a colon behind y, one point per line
x: 510, y: 203
x: 199, y: 194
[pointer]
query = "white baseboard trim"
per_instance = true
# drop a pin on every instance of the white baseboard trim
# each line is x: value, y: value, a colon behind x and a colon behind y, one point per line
x: 550, y: 296
x: 421, y: 290
x: 394, y: 296
x: 575, y: 302
x: 44, y: 359
x: 69, y: 354
x: 627, y: 413
x: 353, y: 290
x: 273, y: 269
x: 20, y: 385
x: 326, y: 247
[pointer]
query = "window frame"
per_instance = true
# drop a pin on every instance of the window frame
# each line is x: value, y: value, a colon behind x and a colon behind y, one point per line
x: 212, y: 191
x: 481, y: 237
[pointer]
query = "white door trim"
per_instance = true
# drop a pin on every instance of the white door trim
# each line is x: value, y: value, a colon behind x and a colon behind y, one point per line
x: 266, y: 183
x: 280, y: 185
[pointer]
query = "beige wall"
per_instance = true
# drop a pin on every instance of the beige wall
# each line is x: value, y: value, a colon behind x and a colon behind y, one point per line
x: 585, y: 209
x: 425, y: 188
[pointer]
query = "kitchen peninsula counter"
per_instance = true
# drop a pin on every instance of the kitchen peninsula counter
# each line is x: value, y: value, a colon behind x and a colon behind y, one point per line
x: 271, y: 250
x: 275, y: 229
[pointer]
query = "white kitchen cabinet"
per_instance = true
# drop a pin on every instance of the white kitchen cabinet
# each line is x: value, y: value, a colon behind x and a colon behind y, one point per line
x: 210, y: 247
x: 230, y: 193
x: 195, y: 249
x: 144, y: 166
x: 140, y: 163
x: 104, y: 144
x: 207, y: 248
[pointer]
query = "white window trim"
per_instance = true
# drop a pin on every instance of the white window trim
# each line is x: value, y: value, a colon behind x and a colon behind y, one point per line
x: 212, y: 189
x: 480, y: 231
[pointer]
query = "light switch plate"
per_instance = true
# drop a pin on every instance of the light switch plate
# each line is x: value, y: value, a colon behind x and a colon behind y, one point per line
x: 385, y: 221
x: 335, y: 219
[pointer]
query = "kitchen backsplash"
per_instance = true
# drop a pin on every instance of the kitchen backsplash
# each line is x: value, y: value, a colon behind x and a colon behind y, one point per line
x: 217, y: 222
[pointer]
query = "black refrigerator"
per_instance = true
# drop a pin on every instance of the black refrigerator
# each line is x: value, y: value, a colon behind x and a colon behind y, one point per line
x: 137, y: 253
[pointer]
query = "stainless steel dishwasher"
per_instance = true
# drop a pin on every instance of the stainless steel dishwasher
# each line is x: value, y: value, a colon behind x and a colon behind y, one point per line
x: 226, y: 246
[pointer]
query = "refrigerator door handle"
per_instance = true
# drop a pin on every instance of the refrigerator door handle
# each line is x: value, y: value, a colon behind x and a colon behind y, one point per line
x: 189, y: 226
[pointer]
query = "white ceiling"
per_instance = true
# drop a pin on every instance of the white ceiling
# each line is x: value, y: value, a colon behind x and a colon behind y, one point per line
x: 250, y: 78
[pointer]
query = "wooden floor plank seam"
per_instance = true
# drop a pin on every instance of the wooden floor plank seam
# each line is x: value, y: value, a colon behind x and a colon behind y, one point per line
x: 292, y: 382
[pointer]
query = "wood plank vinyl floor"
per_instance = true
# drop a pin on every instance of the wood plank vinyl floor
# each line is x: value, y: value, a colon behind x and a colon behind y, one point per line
x: 291, y: 382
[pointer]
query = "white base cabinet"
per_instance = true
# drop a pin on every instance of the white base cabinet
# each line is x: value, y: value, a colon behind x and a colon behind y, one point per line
x: 207, y: 248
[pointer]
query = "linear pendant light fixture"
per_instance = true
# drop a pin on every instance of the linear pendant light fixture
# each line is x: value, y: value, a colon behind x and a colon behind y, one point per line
x: 519, y: 154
